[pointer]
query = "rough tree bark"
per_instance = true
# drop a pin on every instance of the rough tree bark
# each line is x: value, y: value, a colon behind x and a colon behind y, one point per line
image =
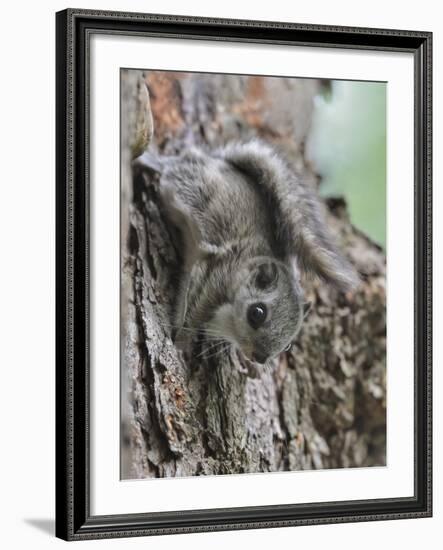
x: 321, y: 405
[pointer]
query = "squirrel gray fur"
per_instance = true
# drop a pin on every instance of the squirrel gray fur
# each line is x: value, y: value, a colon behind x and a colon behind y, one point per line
x: 250, y: 227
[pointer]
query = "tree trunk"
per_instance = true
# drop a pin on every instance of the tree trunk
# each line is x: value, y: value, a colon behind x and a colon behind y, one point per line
x: 321, y: 405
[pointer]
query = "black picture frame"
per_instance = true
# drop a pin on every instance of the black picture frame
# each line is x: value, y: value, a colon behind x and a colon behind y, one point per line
x: 74, y: 28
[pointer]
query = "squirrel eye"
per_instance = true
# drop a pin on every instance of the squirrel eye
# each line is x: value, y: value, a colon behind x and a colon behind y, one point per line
x: 257, y: 315
x: 288, y: 347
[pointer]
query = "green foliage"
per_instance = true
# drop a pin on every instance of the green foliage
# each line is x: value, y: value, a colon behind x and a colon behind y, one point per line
x: 348, y: 147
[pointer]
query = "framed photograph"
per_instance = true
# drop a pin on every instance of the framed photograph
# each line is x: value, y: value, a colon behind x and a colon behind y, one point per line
x: 243, y: 274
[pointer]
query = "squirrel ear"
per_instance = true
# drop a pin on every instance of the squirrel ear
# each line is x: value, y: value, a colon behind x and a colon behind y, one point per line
x: 266, y: 275
x: 150, y: 162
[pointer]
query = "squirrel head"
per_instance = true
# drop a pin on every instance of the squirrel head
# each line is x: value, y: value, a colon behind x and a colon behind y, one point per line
x: 265, y: 310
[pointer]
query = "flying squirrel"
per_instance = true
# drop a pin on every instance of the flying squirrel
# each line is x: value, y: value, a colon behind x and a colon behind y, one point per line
x: 250, y: 227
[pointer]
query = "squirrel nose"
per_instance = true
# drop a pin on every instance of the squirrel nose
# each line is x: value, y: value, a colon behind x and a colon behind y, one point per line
x: 259, y: 357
